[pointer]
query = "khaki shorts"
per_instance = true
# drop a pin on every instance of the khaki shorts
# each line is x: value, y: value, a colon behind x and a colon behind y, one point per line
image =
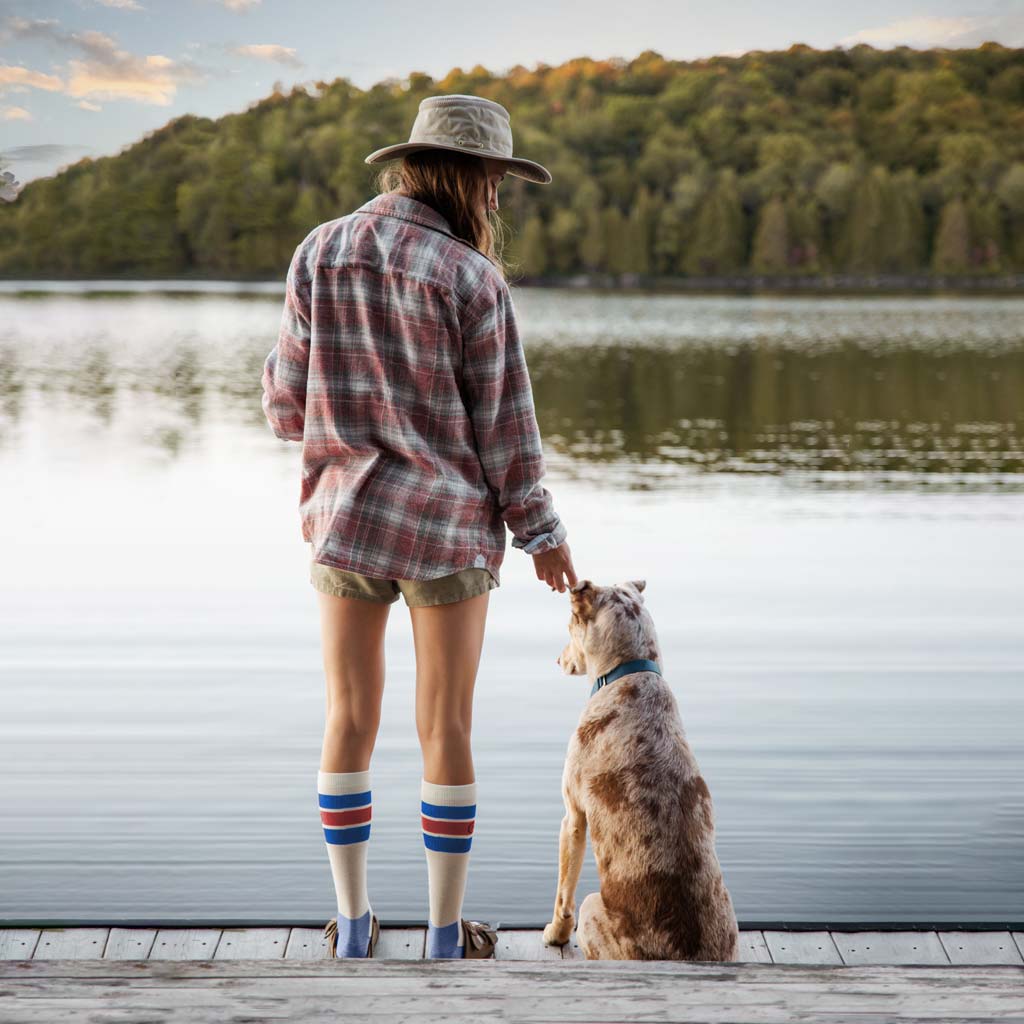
x: 417, y: 593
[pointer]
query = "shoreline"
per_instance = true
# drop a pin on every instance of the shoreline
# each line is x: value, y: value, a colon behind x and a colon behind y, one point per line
x: 823, y: 285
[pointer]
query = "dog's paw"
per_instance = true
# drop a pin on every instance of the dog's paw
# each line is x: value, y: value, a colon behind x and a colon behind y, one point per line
x: 557, y: 933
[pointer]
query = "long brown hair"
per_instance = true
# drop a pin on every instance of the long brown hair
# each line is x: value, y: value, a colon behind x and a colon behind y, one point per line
x: 454, y: 184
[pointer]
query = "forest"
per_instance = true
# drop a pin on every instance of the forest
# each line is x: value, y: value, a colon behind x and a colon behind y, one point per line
x: 804, y: 162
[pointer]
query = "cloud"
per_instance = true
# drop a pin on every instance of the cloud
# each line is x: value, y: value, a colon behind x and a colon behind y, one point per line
x: 123, y: 5
x: 14, y: 74
x: 949, y: 32
x: 14, y: 114
x: 268, y: 51
x: 239, y: 5
x: 86, y: 105
x: 43, y: 152
x: 103, y: 70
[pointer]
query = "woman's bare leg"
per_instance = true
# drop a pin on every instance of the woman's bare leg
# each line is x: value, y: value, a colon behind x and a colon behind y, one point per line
x: 352, y: 631
x: 448, y: 640
x: 352, y: 636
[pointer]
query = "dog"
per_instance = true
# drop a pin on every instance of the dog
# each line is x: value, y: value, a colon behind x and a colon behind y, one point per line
x: 632, y: 780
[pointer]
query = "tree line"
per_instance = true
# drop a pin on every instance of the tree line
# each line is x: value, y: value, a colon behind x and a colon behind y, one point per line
x: 803, y: 161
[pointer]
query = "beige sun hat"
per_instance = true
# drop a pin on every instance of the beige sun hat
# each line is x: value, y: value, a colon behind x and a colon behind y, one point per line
x: 464, y: 124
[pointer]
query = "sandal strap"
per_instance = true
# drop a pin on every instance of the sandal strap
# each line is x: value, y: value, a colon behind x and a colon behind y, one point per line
x: 480, y: 937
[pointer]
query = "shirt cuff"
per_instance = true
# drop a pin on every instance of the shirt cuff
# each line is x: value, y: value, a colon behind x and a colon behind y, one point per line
x: 542, y: 542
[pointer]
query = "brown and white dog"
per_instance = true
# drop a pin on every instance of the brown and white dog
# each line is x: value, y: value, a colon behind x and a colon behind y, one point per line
x: 631, y: 778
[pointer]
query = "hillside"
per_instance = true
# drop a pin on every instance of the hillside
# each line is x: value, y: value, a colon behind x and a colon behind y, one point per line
x: 859, y: 161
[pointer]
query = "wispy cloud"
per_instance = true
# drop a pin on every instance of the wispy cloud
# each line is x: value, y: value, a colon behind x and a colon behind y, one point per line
x: 102, y: 70
x: 123, y: 5
x: 43, y: 151
x: 14, y: 114
x: 239, y: 5
x: 951, y: 32
x: 16, y: 75
x: 86, y: 105
x: 268, y: 51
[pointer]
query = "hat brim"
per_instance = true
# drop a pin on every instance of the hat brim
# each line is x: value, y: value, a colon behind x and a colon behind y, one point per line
x: 517, y: 165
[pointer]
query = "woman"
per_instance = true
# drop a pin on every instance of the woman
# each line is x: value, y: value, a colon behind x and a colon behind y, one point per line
x: 399, y: 368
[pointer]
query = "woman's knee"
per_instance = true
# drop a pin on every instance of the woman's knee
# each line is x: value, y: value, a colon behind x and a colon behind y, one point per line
x: 442, y: 735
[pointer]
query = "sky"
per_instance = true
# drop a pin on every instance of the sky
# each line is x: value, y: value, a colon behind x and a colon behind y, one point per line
x: 91, y: 77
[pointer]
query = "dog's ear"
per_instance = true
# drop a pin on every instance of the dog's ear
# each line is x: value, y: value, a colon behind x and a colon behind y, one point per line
x: 639, y: 584
x: 581, y: 596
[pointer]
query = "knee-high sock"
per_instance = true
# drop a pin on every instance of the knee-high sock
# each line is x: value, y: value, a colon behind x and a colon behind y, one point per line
x: 345, y: 814
x: 448, y: 814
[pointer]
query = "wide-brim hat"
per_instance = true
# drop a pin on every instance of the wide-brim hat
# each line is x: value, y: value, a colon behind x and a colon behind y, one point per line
x: 464, y: 124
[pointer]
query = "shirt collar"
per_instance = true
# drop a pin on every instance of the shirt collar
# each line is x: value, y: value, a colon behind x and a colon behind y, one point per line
x: 405, y: 207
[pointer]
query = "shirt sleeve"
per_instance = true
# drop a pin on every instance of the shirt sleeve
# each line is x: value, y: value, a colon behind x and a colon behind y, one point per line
x: 499, y: 400
x: 286, y: 368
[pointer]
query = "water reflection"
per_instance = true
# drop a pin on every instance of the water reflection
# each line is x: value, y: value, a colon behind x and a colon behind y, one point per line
x: 632, y: 387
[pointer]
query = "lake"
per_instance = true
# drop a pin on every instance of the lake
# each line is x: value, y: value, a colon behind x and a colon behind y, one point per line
x: 825, y: 497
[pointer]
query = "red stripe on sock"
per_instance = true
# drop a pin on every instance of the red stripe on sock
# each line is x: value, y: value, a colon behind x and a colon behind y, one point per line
x: 360, y: 816
x: 447, y: 828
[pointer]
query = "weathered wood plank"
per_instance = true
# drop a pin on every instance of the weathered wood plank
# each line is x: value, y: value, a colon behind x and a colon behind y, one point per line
x: 185, y: 944
x: 981, y: 948
x: 753, y: 948
x: 129, y: 943
x: 18, y: 943
x: 890, y: 948
x: 1018, y: 938
x: 71, y: 943
x: 306, y: 944
x: 524, y: 945
x: 802, y: 948
x: 401, y: 944
x: 314, y: 991
x: 252, y: 944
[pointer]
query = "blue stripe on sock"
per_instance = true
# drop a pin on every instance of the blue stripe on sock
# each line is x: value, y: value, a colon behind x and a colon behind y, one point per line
x: 353, y: 935
x: 347, y: 836
x: 339, y: 801
x: 447, y: 844
x: 458, y: 813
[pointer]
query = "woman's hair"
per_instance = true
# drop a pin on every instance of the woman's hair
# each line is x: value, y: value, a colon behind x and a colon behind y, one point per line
x: 454, y: 184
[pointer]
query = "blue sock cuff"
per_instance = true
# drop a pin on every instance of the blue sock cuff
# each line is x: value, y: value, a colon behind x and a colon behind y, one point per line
x: 353, y: 935
x: 443, y: 942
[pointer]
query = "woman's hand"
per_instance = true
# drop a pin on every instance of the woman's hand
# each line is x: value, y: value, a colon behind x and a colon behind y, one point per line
x: 551, y: 565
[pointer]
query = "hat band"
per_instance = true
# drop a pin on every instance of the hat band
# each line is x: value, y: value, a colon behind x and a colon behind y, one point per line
x: 446, y: 139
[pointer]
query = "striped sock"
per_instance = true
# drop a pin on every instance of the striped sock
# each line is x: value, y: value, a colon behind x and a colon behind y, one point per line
x: 448, y: 814
x: 345, y: 815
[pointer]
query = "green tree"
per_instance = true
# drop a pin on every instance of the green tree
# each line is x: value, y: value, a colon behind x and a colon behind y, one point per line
x: 953, y: 240
x: 770, y: 254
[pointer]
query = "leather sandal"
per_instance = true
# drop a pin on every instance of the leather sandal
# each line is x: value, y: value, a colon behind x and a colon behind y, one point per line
x: 480, y: 940
x: 331, y: 935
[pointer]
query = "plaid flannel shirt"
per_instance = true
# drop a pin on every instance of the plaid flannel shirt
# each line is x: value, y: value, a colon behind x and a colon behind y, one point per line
x: 400, y: 369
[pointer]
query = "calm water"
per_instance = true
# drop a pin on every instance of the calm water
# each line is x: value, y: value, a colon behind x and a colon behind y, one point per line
x: 826, y: 498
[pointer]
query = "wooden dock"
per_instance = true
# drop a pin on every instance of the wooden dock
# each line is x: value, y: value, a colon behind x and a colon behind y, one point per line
x: 178, y: 975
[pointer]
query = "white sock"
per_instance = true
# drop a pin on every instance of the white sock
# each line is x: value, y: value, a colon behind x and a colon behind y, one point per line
x: 448, y: 814
x: 345, y: 809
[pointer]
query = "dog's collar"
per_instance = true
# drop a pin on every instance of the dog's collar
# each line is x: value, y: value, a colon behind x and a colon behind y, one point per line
x: 623, y: 669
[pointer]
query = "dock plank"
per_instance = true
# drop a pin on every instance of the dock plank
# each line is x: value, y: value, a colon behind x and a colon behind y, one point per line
x: 252, y: 944
x: 185, y: 944
x: 753, y: 948
x: 401, y: 944
x: 40, y: 992
x: 71, y: 943
x: 18, y: 943
x: 802, y: 947
x: 981, y: 948
x: 129, y: 943
x: 524, y: 944
x: 306, y: 944
x: 863, y: 948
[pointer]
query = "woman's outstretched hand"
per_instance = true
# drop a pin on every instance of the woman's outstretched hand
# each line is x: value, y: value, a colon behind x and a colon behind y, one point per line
x: 553, y: 565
